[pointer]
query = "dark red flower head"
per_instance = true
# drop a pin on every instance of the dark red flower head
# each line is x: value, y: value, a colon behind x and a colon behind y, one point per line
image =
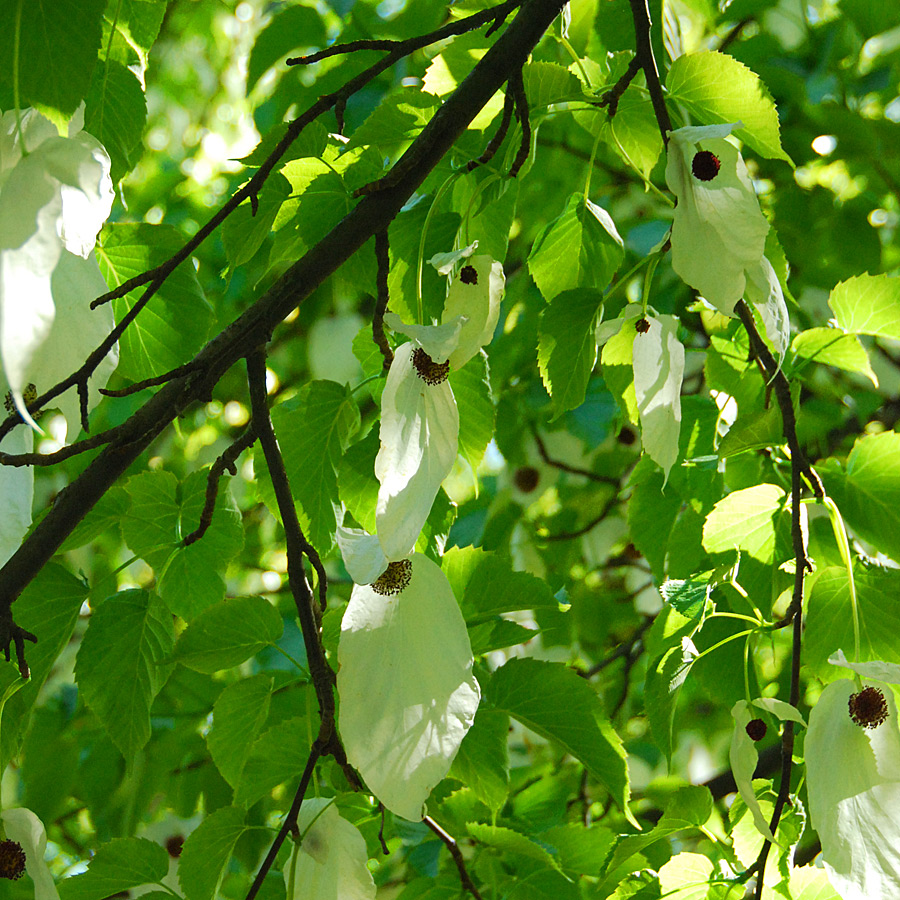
x: 705, y: 165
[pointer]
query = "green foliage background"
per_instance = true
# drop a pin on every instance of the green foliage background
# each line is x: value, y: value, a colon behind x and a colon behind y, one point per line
x: 157, y: 707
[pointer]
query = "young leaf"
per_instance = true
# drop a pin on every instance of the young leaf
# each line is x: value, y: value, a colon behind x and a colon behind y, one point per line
x: 868, y: 304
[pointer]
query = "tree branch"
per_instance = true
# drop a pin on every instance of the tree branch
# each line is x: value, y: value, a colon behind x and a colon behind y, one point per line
x: 640, y: 12
x: 252, y: 328
x: 455, y: 852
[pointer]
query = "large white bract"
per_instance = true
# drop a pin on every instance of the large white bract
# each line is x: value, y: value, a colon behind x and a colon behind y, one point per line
x: 55, y: 194
x: 27, y: 830
x: 719, y: 231
x: 419, y: 416
x: 330, y: 863
x: 406, y: 688
x: 853, y: 784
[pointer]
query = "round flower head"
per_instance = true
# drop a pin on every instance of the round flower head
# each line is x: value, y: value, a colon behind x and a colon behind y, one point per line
x: 852, y: 753
x: 718, y: 230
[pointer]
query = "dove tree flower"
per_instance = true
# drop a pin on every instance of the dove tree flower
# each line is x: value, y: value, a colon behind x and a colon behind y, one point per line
x: 22, y: 851
x: 405, y: 683
x: 852, y: 753
x: 419, y: 415
x: 55, y: 194
x: 743, y: 755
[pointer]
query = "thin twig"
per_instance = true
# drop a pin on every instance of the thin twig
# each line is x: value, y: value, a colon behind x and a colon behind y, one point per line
x: 64, y: 453
x: 517, y: 88
x: 626, y: 648
x: 640, y: 12
x: 150, y: 382
x: 495, y: 142
x: 612, y: 97
x: 383, y: 260
x: 735, y: 33
x: 571, y: 535
x: 455, y: 852
x: 225, y: 463
x: 565, y: 467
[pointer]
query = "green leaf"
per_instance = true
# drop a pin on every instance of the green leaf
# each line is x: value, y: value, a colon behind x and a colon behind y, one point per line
x: 547, y: 83
x: 665, y: 676
x: 119, y: 668
x: 496, y: 634
x: 105, y: 515
x: 133, y: 26
x: 238, y: 716
x: 48, y: 607
x: 579, y: 249
x: 715, y: 88
x: 472, y: 390
x: 176, y: 321
x: 482, y: 762
x: 567, y: 351
x: 278, y: 755
x: 686, y: 876
x: 488, y: 585
x: 868, y: 304
x: 834, y: 348
x: 580, y: 850
x: 296, y: 28
x: 226, y: 635
x: 745, y: 520
x: 651, y: 515
x: 555, y: 702
x: 150, y: 527
x: 397, y: 120
x: 357, y: 485
x: 243, y: 232
x: 206, y: 852
x: 757, y: 429
x: 690, y: 807
x: 508, y: 841
x: 314, y: 430
x: 192, y: 580
x: 867, y: 489
x: 115, y: 112
x: 829, y: 619
x: 118, y: 865
x: 58, y: 42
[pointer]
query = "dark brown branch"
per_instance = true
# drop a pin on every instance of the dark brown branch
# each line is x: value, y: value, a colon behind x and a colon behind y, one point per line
x: 10, y: 633
x: 382, y: 257
x: 455, y: 852
x: 67, y: 452
x: 735, y: 33
x: 495, y: 142
x: 253, y: 327
x: 612, y: 97
x: 290, y: 822
x: 571, y: 535
x: 565, y: 467
x: 156, y: 381
x: 496, y: 15
x: 517, y: 88
x: 640, y: 12
x: 225, y: 463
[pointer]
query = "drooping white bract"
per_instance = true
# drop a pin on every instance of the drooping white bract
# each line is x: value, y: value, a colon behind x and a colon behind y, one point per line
x: 853, y: 782
x: 719, y: 231
x: 658, y: 363
x: 419, y: 417
x: 27, y: 830
x: 405, y: 683
x: 17, y: 491
x: 55, y: 194
x: 764, y: 292
x: 743, y: 754
x: 330, y: 863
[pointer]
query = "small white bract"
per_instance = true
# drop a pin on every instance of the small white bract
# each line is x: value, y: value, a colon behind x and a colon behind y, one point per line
x: 852, y: 753
x: 419, y: 416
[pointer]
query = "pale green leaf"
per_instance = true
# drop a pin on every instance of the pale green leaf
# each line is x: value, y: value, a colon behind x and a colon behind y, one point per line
x: 472, y: 390
x: 745, y: 520
x: 868, y: 304
x: 482, y: 762
x: 834, y: 348
x: 716, y: 89
x: 278, y: 755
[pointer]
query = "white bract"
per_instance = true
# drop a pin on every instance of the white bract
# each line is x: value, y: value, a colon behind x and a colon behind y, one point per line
x: 55, y: 194
x: 419, y: 416
x: 743, y: 754
x: 719, y: 231
x: 330, y: 863
x: 853, y: 782
x: 405, y: 683
x: 27, y: 830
